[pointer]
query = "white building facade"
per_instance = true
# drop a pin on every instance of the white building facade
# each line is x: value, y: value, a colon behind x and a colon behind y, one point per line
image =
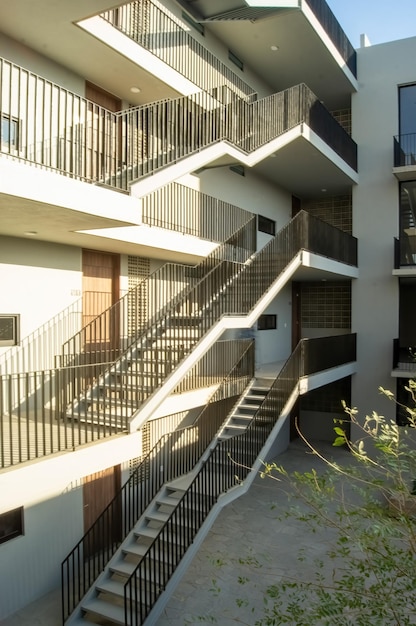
x: 173, y: 174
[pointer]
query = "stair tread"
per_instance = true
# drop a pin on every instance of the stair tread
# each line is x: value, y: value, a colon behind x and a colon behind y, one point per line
x: 157, y: 516
x: 105, y: 609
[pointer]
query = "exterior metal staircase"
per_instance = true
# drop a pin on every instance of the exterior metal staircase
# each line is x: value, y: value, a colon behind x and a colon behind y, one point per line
x: 120, y: 391
x: 141, y: 566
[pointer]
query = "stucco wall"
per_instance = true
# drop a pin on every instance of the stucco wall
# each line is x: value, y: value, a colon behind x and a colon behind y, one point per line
x: 375, y: 312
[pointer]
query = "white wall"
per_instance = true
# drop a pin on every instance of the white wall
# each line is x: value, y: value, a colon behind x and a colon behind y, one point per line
x: 375, y: 215
x: 51, y: 493
x: 38, y: 280
x: 31, y: 60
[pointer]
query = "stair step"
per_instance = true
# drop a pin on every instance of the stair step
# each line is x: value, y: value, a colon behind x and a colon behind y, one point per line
x: 157, y: 516
x: 146, y: 531
x: 167, y: 500
x: 104, y: 609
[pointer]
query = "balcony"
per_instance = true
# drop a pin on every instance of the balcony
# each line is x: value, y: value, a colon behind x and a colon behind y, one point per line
x: 65, y: 133
x: 330, y: 66
x: 404, y: 360
x: 404, y: 167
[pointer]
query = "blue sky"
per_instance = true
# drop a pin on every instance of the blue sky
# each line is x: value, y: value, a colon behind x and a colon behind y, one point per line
x: 380, y: 20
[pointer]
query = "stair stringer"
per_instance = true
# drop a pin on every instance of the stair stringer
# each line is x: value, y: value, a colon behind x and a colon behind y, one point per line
x: 223, y: 500
x: 223, y: 148
x: 224, y: 323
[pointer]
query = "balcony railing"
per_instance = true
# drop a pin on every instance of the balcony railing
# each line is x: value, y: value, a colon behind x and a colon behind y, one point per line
x: 83, y: 564
x: 405, y: 150
x: 191, y: 212
x: 154, y: 30
x: 404, y: 358
x: 331, y: 26
x: 235, y: 456
x: 34, y: 419
x: 59, y: 130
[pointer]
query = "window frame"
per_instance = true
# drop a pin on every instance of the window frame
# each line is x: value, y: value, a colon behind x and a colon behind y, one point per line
x: 9, y: 128
x: 267, y: 321
x: 266, y: 225
x: 15, y: 521
x: 15, y: 339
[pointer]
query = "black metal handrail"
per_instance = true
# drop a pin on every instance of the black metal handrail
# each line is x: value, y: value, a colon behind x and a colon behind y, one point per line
x: 405, y: 150
x: 153, y: 29
x: 192, y: 212
x: 90, y: 143
x: 227, y: 465
x: 83, y: 564
x: 112, y: 332
x: 333, y: 29
x: 227, y: 289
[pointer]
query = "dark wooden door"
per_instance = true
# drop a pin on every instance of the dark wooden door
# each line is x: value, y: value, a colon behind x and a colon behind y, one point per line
x: 100, y: 289
x: 99, y: 490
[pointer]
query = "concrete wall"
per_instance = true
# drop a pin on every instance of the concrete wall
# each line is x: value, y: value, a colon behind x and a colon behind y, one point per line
x: 40, y: 280
x: 375, y: 312
x: 51, y: 493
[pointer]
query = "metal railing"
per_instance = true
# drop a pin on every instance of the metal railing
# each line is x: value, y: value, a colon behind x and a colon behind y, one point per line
x: 153, y: 29
x: 192, y: 212
x: 405, y: 150
x: 90, y: 398
x: 35, y: 420
x: 404, y: 357
x: 83, y: 564
x: 110, y: 334
x: 225, y: 288
x: 333, y: 29
x: 62, y: 131
x: 235, y: 457
x: 156, y: 31
x: 38, y: 351
x: 227, y: 465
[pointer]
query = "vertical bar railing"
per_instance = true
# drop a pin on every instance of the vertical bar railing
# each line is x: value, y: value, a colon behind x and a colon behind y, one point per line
x: 89, y: 556
x: 59, y: 130
x: 227, y: 465
x: 150, y: 27
x: 333, y: 29
x: 192, y: 212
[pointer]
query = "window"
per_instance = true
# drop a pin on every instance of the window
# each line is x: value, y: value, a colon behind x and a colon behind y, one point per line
x: 407, y: 109
x: 238, y: 169
x: 238, y: 62
x: 9, y: 330
x: 11, y: 524
x: 266, y: 225
x: 9, y: 131
x: 267, y: 322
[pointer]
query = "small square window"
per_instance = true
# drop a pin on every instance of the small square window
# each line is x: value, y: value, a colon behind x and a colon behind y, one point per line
x: 238, y: 169
x: 11, y: 524
x: 266, y: 225
x: 267, y: 322
x: 9, y: 131
x: 9, y: 330
x: 234, y: 59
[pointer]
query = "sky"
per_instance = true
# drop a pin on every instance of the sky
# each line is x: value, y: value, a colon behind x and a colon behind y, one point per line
x: 380, y: 20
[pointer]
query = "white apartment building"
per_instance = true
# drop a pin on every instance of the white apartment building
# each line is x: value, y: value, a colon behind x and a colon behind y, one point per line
x: 180, y: 215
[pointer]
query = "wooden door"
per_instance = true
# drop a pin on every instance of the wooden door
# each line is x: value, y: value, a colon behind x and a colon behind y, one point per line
x: 103, y: 133
x: 100, y: 289
x: 98, y: 491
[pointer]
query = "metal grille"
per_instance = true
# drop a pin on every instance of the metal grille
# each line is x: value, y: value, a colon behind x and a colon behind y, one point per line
x: 138, y: 270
